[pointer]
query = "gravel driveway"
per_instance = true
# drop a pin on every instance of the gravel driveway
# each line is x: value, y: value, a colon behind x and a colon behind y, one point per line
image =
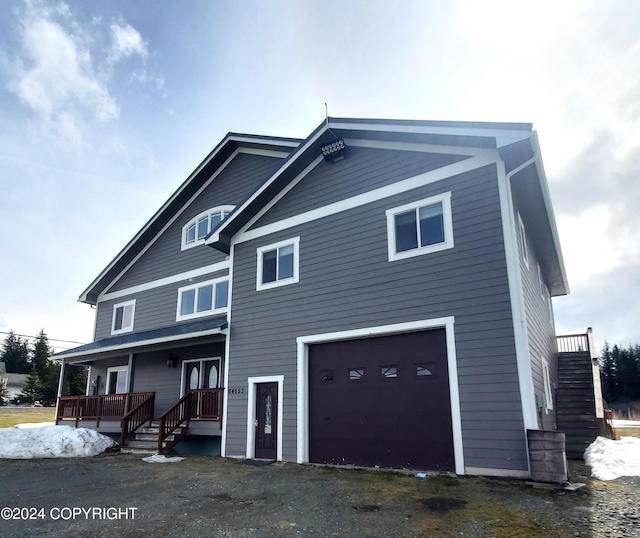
x: 228, y: 498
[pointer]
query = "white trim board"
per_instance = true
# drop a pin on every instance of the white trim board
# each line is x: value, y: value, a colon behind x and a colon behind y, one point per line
x: 251, y: 413
x: 303, y: 343
x: 405, y: 185
x: 227, y: 343
x: 187, y: 275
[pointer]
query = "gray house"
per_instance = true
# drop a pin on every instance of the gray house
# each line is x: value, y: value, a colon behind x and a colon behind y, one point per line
x: 378, y: 293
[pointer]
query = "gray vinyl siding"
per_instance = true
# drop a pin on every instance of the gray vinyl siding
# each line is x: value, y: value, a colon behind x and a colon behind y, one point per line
x: 155, y: 308
x: 365, y: 169
x: 540, y: 327
x: 346, y: 282
x: 152, y: 374
x: 231, y: 187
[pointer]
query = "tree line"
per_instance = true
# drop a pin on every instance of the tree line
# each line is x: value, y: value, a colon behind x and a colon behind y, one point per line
x: 21, y: 356
x: 620, y: 373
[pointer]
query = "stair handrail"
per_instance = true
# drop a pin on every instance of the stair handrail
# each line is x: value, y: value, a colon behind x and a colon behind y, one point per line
x: 138, y: 416
x: 173, y: 418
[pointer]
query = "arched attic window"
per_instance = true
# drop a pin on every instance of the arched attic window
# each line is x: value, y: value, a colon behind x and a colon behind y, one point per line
x: 194, y: 231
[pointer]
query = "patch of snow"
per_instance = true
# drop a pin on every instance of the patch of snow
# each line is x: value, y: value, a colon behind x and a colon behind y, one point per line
x: 612, y: 459
x: 34, y: 424
x: 159, y: 458
x: 626, y: 423
x: 51, y: 442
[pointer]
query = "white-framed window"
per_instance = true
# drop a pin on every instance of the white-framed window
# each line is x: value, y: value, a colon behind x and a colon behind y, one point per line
x: 194, y: 231
x: 546, y: 378
x: 123, y: 314
x: 420, y: 227
x: 117, y: 377
x: 203, y: 299
x: 540, y: 282
x: 278, y: 264
x: 523, y: 241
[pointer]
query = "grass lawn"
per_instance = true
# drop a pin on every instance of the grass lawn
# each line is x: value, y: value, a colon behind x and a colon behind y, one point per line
x: 10, y: 416
x: 620, y: 432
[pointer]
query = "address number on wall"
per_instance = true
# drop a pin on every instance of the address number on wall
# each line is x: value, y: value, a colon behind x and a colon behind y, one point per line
x: 236, y: 390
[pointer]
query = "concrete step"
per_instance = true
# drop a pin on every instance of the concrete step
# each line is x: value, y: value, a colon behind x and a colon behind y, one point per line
x: 133, y: 450
x: 150, y: 445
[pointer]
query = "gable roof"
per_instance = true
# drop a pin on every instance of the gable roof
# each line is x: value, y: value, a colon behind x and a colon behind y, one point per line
x: 229, y: 144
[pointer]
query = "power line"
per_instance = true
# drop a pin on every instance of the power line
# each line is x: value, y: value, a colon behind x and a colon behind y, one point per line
x: 50, y: 339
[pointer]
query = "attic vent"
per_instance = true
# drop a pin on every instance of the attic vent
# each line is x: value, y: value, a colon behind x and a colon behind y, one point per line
x: 334, y: 151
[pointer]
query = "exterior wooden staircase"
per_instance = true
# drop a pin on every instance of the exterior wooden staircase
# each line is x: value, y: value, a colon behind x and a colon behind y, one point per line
x: 579, y: 405
x: 146, y: 440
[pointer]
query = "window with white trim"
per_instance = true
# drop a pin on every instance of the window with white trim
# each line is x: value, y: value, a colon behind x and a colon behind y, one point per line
x: 278, y: 264
x: 122, y: 320
x: 523, y: 242
x: 117, y: 380
x: 420, y: 227
x: 194, y: 231
x: 203, y: 299
x: 546, y: 378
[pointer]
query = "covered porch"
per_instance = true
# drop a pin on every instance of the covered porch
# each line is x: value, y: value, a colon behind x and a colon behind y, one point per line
x: 151, y: 389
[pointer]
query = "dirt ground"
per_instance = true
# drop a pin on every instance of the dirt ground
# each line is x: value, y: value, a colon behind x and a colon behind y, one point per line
x: 123, y: 496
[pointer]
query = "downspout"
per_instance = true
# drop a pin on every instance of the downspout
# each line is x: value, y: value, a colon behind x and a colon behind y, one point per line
x: 60, y: 385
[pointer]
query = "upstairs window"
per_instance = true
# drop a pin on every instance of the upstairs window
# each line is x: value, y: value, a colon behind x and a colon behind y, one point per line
x: 194, y: 232
x: 203, y: 299
x: 278, y: 264
x: 122, y: 321
x: 420, y: 227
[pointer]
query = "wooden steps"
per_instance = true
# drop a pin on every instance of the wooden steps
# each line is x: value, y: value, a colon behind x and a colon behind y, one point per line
x: 146, y: 440
x: 576, y: 403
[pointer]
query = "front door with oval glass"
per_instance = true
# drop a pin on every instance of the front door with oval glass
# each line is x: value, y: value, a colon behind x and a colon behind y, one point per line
x: 202, y: 374
x: 266, y: 423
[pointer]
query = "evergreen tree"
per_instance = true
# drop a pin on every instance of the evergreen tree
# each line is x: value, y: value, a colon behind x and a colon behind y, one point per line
x: 620, y: 373
x: 48, y: 371
x: 4, y: 393
x: 608, y: 375
x: 76, y: 380
x: 32, y: 391
x: 15, y: 354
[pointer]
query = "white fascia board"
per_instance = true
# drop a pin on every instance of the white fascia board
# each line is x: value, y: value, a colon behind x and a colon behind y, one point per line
x: 142, y: 343
x: 215, y: 237
x: 503, y: 136
x: 546, y: 197
x: 201, y: 271
x: 488, y: 157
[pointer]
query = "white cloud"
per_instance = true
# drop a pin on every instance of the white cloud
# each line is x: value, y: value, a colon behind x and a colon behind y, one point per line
x: 126, y: 41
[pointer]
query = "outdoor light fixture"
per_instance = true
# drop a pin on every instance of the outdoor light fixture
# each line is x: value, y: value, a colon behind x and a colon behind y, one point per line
x: 334, y: 151
x: 172, y: 361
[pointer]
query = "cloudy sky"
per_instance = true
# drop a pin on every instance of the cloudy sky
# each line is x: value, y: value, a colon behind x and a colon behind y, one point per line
x: 106, y: 107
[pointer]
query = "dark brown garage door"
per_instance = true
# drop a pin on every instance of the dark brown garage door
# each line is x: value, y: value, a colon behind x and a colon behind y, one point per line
x: 381, y: 401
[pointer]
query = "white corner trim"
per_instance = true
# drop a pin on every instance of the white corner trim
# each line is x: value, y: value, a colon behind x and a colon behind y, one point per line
x: 303, y: 343
x: 227, y: 342
x: 520, y: 333
x: 295, y: 242
x: 523, y: 241
x: 251, y: 413
x: 371, y: 196
x: 187, y: 275
x: 445, y: 200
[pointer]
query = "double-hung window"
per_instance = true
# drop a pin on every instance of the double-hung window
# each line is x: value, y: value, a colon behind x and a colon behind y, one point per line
x: 203, y: 299
x: 195, y: 231
x: 278, y: 264
x: 420, y: 227
x: 546, y: 380
x: 122, y: 320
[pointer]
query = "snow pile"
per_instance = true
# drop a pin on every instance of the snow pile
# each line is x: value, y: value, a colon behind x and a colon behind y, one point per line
x: 612, y: 459
x: 34, y: 424
x: 29, y: 442
x: 158, y: 458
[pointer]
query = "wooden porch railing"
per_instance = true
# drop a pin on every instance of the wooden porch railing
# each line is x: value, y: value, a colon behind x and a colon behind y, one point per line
x: 200, y: 403
x: 573, y: 343
x: 135, y: 418
x: 99, y: 407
